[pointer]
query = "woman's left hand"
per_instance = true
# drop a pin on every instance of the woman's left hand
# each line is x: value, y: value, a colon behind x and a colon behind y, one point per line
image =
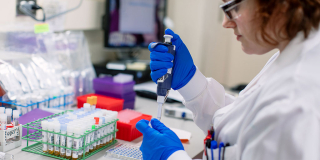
x: 159, y: 142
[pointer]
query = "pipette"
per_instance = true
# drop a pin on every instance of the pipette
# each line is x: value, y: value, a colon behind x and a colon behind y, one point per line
x: 164, y: 82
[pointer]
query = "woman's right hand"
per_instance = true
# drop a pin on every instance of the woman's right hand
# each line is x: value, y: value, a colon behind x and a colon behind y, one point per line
x: 161, y: 60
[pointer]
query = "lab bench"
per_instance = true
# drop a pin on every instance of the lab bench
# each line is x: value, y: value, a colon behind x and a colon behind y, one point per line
x: 146, y: 106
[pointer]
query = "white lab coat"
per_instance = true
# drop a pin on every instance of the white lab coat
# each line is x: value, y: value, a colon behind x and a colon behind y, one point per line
x: 277, y: 116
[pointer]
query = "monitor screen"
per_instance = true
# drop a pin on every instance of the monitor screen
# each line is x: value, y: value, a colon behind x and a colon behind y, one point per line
x: 134, y: 23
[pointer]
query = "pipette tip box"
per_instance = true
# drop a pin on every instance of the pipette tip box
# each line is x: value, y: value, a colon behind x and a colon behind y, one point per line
x: 103, y: 102
x: 127, y: 124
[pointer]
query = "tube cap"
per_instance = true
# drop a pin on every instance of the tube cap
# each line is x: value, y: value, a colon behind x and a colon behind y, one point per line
x: 16, y: 114
x: 63, y: 127
x: 77, y: 130
x: 9, y: 112
x: 44, y: 125
x: 96, y: 120
x: 50, y: 126
x: 94, y: 100
x: 70, y: 129
x: 90, y: 100
x: 57, y: 127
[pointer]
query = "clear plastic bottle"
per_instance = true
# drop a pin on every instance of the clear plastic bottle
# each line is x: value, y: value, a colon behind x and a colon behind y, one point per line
x: 70, y: 129
x: 76, y: 143
x: 44, y: 125
x: 63, y: 140
x: 50, y: 137
x: 9, y: 115
x: 57, y: 138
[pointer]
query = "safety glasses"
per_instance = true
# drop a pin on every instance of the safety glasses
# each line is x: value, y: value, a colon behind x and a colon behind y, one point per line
x: 231, y: 9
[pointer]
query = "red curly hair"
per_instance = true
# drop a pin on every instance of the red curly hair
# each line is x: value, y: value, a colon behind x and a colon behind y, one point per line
x: 300, y: 15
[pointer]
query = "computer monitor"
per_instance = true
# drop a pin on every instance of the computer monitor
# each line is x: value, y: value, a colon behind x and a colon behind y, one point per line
x: 133, y: 23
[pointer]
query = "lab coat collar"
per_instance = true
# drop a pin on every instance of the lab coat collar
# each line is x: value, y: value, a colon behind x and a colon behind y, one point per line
x: 293, y: 52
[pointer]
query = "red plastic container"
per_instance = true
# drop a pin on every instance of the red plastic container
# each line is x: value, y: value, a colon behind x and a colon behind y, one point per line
x: 127, y: 124
x: 104, y: 102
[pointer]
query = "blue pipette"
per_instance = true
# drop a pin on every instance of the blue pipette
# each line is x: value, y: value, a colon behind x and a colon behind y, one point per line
x: 164, y: 82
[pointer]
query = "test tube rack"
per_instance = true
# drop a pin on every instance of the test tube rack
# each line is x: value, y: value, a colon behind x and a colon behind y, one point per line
x: 10, y: 138
x: 37, y: 137
x: 54, y: 102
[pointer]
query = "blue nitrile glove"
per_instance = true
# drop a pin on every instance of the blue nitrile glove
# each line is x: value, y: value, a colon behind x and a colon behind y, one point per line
x: 159, y: 142
x: 184, y: 68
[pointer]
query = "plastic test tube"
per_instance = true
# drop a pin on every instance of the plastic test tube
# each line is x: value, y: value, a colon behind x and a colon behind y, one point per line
x: 44, y: 125
x: 9, y: 115
x: 97, y: 124
x: 76, y: 143
x: 3, y: 120
x: 63, y: 140
x: 50, y: 137
x: 57, y: 138
x: 90, y: 138
x: 83, y: 129
x: 70, y: 129
x: 93, y: 127
x: 102, y: 122
x: 16, y: 117
x: 16, y: 123
x: 91, y: 122
x: 2, y: 110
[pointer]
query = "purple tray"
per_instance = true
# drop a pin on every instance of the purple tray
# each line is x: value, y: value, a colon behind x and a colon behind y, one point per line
x: 127, y: 97
x: 107, y: 85
x: 128, y: 105
x: 32, y: 116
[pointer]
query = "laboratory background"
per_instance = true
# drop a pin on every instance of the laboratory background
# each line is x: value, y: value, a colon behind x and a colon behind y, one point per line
x: 75, y: 74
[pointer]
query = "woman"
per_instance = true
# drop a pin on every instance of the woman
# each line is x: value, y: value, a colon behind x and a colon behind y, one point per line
x: 277, y: 116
